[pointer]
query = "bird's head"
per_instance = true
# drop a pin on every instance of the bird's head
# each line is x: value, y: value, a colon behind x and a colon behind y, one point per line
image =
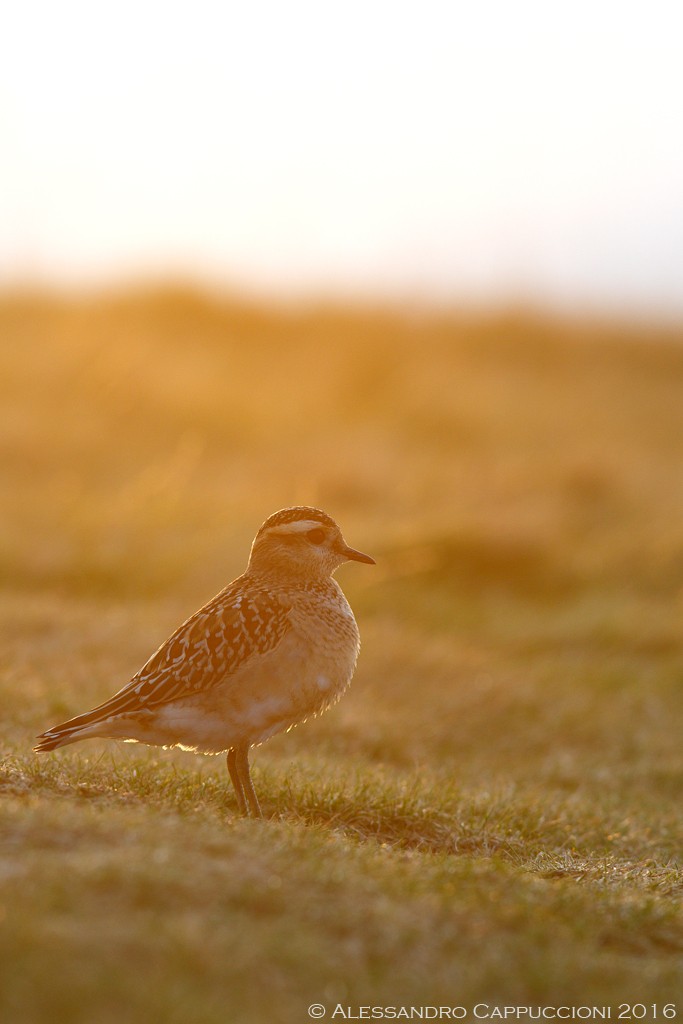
x: 303, y: 543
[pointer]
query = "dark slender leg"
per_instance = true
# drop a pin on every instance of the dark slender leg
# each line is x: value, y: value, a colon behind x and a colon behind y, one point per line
x: 242, y: 765
x: 236, y: 781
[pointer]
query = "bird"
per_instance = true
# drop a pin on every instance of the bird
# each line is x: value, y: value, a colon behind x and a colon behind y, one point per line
x: 276, y: 646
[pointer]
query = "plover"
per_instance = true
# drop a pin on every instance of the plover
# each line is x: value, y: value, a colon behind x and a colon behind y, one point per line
x: 273, y: 648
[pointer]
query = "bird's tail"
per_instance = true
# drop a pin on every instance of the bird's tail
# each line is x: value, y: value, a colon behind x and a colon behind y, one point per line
x: 58, y: 737
x: 78, y: 728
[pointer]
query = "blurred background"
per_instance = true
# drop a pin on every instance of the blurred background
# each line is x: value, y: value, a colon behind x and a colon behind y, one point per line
x: 421, y: 266
x: 447, y: 152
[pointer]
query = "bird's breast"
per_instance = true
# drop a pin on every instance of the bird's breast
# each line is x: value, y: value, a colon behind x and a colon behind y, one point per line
x: 328, y: 635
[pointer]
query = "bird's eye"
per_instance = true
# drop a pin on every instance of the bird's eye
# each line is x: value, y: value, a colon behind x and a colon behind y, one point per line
x: 316, y: 536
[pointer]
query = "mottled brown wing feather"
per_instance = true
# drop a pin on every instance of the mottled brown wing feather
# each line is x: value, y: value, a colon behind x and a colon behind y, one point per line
x: 236, y: 625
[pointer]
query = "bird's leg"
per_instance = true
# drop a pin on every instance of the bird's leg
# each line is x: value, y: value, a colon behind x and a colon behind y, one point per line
x: 242, y: 765
x: 236, y: 781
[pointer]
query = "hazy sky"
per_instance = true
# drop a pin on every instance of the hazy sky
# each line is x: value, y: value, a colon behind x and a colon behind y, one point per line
x: 446, y: 149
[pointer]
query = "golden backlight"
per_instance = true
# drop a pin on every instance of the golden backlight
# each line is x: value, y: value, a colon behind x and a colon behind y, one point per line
x: 146, y: 433
x: 524, y: 151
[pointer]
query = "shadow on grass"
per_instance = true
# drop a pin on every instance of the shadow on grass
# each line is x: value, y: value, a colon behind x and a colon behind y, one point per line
x: 401, y: 815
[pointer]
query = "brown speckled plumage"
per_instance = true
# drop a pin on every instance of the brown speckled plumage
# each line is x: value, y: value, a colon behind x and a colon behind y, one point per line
x: 276, y: 646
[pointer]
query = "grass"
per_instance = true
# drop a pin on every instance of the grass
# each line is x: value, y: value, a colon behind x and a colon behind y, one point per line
x: 493, y: 813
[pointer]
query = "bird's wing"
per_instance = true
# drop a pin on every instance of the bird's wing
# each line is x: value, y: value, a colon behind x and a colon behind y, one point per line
x: 237, y: 625
x: 218, y: 639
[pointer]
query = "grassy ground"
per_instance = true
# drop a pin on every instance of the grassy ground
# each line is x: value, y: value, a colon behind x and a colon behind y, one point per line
x: 493, y: 813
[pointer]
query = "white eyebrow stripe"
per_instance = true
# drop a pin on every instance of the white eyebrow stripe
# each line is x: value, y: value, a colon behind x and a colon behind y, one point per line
x: 299, y: 526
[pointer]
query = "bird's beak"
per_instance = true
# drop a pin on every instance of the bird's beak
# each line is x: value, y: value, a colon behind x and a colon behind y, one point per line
x: 357, y: 556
